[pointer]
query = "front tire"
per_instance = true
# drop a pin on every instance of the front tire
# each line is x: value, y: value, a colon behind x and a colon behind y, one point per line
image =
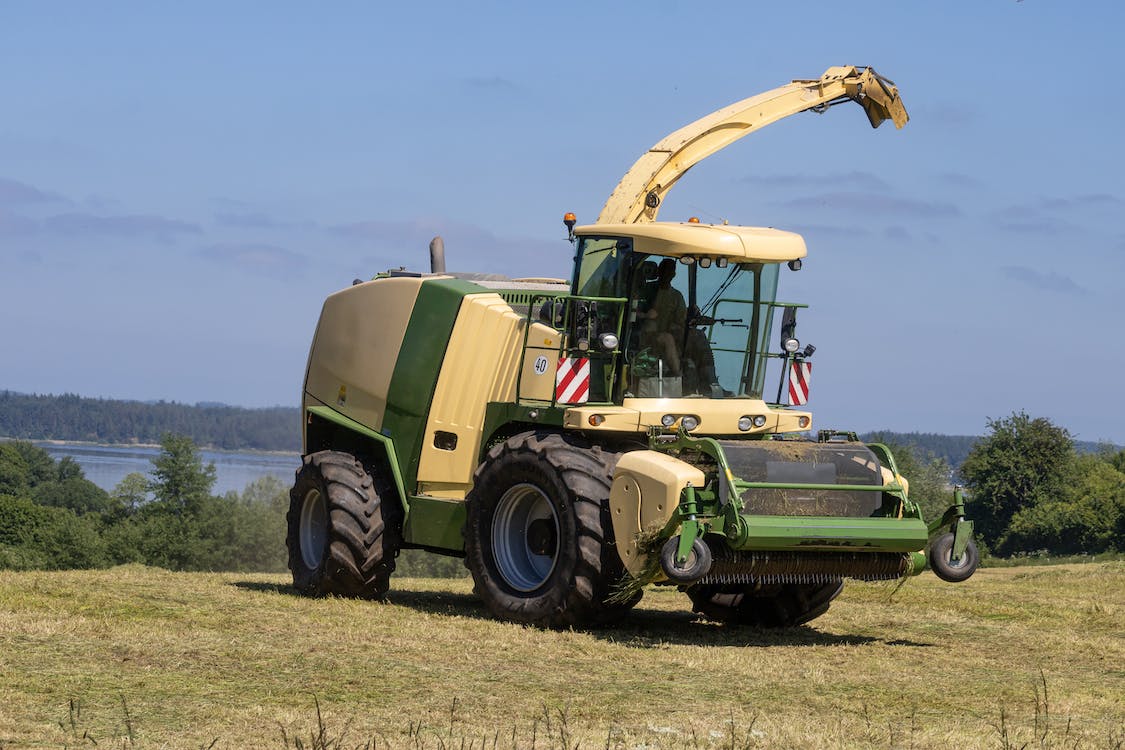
x: 772, y: 606
x: 344, y: 528
x: 942, y: 563
x: 538, y: 539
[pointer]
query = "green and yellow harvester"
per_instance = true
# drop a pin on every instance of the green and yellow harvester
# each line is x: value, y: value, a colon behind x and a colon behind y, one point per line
x: 575, y: 442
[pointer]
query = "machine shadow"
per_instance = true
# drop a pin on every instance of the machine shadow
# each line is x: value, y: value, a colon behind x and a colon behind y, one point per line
x: 642, y: 628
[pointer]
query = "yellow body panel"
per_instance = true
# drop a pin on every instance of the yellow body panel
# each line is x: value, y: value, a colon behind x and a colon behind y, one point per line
x: 481, y: 365
x: 645, y: 493
x: 739, y: 244
x: 356, y: 346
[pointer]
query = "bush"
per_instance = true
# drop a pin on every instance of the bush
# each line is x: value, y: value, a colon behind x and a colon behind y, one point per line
x: 35, y: 536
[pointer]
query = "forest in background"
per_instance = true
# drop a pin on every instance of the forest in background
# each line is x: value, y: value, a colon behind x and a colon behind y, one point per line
x: 97, y: 420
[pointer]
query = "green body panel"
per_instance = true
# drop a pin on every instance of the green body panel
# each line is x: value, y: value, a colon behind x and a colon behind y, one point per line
x: 335, y: 417
x: 821, y: 533
x: 434, y: 522
x: 499, y: 414
x: 419, y: 364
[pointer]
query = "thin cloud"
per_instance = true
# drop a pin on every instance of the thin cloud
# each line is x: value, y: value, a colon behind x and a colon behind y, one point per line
x: 873, y: 202
x: 468, y: 247
x: 959, y: 180
x: 14, y: 225
x: 1043, y: 225
x: 897, y: 233
x: 1047, y: 282
x: 13, y: 193
x: 856, y: 180
x: 257, y: 257
x: 137, y: 225
x: 1033, y: 209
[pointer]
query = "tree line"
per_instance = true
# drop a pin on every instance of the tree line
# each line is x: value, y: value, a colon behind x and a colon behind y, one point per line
x: 53, y: 518
x: 77, y: 418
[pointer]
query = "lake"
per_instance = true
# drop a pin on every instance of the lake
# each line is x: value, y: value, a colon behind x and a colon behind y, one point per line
x: 106, y: 465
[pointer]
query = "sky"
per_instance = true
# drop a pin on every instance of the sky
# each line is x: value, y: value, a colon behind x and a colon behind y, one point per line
x: 181, y: 184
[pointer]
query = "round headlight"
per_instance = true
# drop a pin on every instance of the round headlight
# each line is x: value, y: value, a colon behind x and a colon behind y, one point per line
x: 803, y: 422
x: 791, y: 345
x: 608, y: 341
x: 744, y: 423
x: 668, y: 420
x: 759, y: 421
x: 689, y: 422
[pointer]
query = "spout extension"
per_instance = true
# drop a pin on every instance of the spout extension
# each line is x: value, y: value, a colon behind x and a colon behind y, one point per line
x: 437, y: 255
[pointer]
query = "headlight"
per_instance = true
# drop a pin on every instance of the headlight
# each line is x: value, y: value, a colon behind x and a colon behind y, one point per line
x: 744, y: 423
x: 689, y: 422
x: 791, y: 345
x: 759, y: 421
x: 608, y: 341
x: 803, y: 423
x: 668, y: 420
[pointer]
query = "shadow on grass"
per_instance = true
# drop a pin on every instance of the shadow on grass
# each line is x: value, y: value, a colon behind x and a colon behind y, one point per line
x: 642, y: 628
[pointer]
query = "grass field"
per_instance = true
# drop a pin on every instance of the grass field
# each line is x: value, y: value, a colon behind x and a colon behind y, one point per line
x: 135, y: 657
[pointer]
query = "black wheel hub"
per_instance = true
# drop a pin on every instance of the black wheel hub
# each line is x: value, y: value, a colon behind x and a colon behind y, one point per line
x: 542, y: 536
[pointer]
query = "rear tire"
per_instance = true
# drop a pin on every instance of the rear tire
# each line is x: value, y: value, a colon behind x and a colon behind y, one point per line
x: 769, y: 606
x: 538, y: 538
x: 344, y: 527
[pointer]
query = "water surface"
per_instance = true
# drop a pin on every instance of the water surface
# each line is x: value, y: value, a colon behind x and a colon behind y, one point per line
x: 106, y: 465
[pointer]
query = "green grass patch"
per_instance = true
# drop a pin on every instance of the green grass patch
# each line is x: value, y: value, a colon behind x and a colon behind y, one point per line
x: 138, y: 657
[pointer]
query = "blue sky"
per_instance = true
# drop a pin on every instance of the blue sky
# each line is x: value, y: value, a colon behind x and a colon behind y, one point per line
x: 182, y: 184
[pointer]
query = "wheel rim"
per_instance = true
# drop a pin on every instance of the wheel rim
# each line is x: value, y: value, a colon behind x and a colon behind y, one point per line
x: 525, y: 537
x: 947, y: 558
x: 958, y: 563
x: 314, y: 529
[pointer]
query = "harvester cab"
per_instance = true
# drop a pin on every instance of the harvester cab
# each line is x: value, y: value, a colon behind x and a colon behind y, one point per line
x: 625, y: 430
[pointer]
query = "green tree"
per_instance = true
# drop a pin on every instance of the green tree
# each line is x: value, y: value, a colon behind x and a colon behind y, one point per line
x: 75, y: 493
x: 1087, y: 518
x: 131, y: 492
x: 180, y: 480
x: 14, y: 471
x: 1022, y: 463
x: 40, y: 466
x: 35, y: 536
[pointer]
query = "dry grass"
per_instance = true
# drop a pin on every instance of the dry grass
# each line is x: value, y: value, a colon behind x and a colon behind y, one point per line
x: 135, y: 657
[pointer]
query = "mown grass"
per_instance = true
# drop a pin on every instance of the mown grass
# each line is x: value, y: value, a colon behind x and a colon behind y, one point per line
x: 136, y: 657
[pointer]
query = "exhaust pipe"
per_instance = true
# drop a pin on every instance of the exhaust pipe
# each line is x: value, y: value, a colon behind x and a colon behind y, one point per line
x: 437, y: 255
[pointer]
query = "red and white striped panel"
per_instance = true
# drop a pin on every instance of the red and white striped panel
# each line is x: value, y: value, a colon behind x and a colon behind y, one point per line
x: 572, y: 380
x: 799, y: 374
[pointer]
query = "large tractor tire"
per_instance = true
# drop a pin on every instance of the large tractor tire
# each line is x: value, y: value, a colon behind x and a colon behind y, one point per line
x: 774, y: 606
x: 538, y: 537
x: 345, y: 528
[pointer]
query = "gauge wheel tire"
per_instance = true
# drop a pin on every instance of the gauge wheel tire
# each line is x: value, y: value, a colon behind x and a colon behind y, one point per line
x: 344, y: 527
x: 538, y: 537
x: 941, y: 559
x: 774, y: 606
x: 696, y: 566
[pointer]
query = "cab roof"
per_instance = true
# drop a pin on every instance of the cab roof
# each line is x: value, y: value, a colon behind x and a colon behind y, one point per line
x: 712, y: 240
